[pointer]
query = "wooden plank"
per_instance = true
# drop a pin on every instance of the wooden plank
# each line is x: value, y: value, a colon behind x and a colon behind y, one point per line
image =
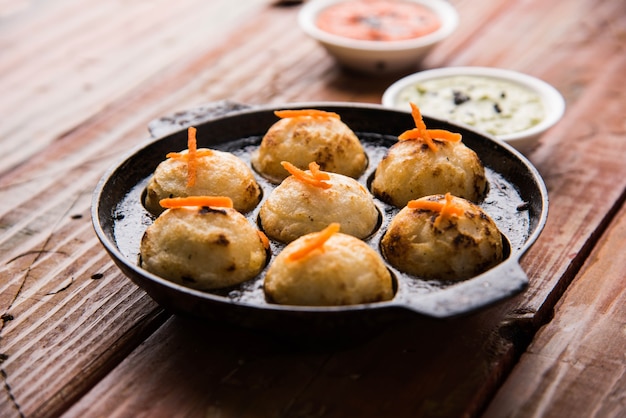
x: 576, y: 364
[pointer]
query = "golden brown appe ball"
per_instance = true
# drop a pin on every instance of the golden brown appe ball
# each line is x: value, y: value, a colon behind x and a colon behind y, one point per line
x: 203, y: 247
x: 410, y: 170
x: 426, y: 162
x: 343, y: 270
x: 303, y: 136
x: 218, y: 173
x: 296, y: 207
x: 442, y: 237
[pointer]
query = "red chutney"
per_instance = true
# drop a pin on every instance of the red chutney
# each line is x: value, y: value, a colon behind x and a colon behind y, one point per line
x: 378, y: 20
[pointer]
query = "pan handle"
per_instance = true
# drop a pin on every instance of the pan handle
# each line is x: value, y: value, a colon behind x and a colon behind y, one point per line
x: 501, y: 282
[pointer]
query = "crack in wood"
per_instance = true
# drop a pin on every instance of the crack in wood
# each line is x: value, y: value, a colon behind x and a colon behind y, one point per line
x: 69, y: 282
x: 34, y: 252
x: 9, y: 392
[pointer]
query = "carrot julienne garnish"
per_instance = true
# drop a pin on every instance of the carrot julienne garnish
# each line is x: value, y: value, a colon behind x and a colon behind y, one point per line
x: 417, y: 133
x: 191, y: 156
x: 314, y: 242
x: 179, y: 155
x: 215, y: 201
x: 446, y: 209
x: 192, y: 162
x: 314, y: 113
x: 264, y: 239
x: 427, y: 135
x: 442, y: 134
x: 314, y: 178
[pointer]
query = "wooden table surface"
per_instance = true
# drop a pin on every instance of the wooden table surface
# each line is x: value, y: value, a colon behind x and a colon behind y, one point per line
x: 81, y: 79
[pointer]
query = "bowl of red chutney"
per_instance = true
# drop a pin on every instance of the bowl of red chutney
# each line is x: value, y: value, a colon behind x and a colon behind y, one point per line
x: 378, y: 36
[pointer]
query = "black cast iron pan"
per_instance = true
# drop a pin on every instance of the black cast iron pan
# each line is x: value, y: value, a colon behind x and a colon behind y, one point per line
x: 517, y: 201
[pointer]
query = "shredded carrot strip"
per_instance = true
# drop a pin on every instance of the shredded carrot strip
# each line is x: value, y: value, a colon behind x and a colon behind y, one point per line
x: 191, y: 156
x: 439, y: 134
x: 450, y: 208
x: 446, y: 209
x: 442, y: 134
x: 216, y: 201
x: 314, y: 168
x: 425, y: 205
x: 314, y: 178
x: 192, y: 162
x: 314, y: 113
x: 427, y: 135
x: 420, y: 131
x: 315, y: 242
x: 264, y: 239
x: 180, y: 156
x: 417, y: 133
x: 417, y: 117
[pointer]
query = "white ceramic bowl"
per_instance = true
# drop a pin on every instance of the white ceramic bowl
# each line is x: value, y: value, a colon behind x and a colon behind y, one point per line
x: 524, y: 140
x: 378, y: 57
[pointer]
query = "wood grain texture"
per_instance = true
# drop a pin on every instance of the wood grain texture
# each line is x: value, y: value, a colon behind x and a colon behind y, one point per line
x: 199, y: 369
x: 68, y: 312
x: 62, y: 63
x: 61, y: 318
x: 576, y: 366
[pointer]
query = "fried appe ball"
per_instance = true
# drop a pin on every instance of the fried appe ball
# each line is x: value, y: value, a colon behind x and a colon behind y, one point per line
x: 295, y: 208
x: 218, y: 173
x: 302, y: 139
x: 203, y: 247
x: 411, y: 170
x: 345, y: 271
x: 425, y: 243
